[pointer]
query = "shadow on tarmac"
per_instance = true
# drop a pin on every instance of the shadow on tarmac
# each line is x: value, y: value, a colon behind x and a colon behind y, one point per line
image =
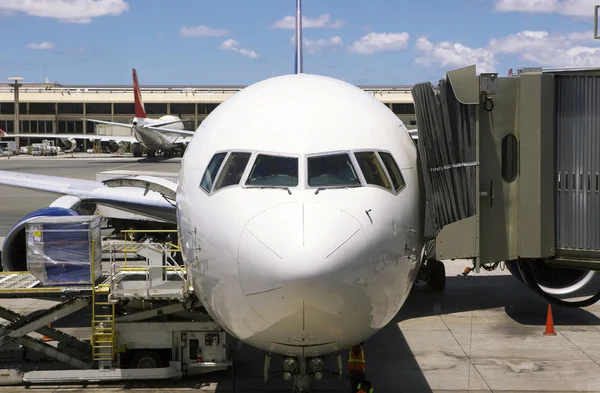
x: 391, y: 364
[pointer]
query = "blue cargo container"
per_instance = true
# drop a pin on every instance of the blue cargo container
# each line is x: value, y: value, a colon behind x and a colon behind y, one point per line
x: 59, y: 249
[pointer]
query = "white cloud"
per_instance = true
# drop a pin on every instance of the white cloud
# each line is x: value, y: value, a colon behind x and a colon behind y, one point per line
x: 539, y: 48
x: 233, y: 45
x: 321, y: 22
x: 202, y: 31
x: 379, y: 42
x: 70, y: 11
x: 453, y: 55
x: 318, y: 45
x: 41, y: 46
x: 563, y: 7
x: 549, y: 50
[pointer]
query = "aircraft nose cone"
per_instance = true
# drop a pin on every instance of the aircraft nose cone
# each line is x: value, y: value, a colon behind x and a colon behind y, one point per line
x: 298, y: 255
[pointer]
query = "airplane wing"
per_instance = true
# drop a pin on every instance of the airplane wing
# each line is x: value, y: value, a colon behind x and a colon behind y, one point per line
x: 145, y: 195
x: 91, y: 137
x: 156, y: 127
x: 182, y: 132
x: 112, y: 123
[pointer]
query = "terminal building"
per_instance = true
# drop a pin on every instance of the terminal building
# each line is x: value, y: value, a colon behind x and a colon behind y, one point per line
x: 50, y: 108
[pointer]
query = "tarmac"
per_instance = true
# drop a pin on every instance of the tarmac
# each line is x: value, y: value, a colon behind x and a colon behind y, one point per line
x: 483, y: 333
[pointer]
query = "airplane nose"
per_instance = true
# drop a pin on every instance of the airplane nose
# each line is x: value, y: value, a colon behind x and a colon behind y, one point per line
x: 298, y: 255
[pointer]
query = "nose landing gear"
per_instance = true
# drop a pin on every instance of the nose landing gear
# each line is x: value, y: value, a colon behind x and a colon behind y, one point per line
x: 433, y: 272
x: 301, y: 371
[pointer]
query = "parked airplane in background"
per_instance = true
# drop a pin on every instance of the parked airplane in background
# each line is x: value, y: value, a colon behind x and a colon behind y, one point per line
x: 152, y: 134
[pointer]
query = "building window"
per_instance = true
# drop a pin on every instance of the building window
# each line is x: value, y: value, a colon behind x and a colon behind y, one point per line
x: 70, y: 108
x: 155, y: 109
x: 70, y: 127
x: 46, y: 126
x: 7, y: 108
x: 205, y: 109
x: 7, y: 125
x: 42, y: 108
x: 90, y: 128
x: 98, y: 108
x: 403, y: 109
x: 178, y: 109
x: 124, y: 109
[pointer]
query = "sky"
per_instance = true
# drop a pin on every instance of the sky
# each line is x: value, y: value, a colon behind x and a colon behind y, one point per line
x: 240, y: 42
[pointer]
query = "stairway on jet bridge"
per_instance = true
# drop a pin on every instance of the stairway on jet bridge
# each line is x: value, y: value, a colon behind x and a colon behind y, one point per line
x: 510, y: 173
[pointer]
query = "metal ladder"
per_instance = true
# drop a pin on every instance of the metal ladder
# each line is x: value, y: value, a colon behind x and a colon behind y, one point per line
x: 103, y: 338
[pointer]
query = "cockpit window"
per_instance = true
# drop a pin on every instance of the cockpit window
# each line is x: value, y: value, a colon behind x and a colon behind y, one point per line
x: 233, y: 170
x: 393, y: 170
x: 372, y: 169
x: 274, y: 171
x: 331, y: 170
x: 211, y: 171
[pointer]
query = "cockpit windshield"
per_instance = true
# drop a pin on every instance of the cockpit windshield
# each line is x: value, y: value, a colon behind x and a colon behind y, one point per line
x: 274, y: 171
x: 332, y: 170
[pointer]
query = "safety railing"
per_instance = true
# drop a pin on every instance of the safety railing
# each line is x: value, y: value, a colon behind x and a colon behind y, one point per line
x: 159, y: 261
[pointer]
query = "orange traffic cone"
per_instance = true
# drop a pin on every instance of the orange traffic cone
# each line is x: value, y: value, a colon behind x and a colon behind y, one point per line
x: 46, y: 338
x: 549, y: 323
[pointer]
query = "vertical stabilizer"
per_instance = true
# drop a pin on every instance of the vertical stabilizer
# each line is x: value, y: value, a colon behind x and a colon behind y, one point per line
x: 299, y: 37
x: 140, y: 111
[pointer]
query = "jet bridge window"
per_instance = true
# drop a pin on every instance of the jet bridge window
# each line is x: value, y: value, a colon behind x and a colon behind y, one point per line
x: 211, y: 171
x: 372, y: 169
x: 232, y: 171
x: 332, y: 170
x: 393, y: 170
x: 274, y: 171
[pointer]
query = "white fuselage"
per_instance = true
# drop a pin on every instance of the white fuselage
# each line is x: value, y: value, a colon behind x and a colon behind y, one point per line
x: 157, y: 140
x: 301, y: 271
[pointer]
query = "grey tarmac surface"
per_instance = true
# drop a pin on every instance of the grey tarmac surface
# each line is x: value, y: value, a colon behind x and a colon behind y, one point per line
x: 480, y: 334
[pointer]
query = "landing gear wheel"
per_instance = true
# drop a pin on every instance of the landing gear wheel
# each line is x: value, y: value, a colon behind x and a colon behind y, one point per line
x: 436, y: 272
x: 146, y: 359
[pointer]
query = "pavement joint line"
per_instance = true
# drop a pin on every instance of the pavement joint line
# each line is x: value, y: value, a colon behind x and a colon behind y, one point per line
x: 468, y: 355
x: 582, y: 351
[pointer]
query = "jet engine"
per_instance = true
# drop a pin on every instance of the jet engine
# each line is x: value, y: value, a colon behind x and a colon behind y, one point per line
x: 551, y: 281
x: 113, y: 146
x: 70, y: 144
x: 14, y: 247
x: 554, y: 280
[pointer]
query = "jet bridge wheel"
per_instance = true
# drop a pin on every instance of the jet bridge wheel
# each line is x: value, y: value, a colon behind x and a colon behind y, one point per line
x: 436, y: 274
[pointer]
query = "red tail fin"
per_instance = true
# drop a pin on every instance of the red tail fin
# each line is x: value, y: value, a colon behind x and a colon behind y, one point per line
x: 137, y: 96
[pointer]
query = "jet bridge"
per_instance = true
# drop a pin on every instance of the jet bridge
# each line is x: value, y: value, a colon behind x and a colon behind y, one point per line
x: 511, y: 173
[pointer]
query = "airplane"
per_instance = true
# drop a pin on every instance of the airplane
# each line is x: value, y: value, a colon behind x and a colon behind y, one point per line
x: 152, y: 134
x: 329, y: 240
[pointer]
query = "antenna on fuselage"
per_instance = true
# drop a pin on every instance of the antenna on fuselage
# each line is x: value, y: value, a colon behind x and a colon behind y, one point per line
x: 299, y: 37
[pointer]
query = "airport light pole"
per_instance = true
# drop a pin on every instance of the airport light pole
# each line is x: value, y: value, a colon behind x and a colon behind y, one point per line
x: 16, y: 85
